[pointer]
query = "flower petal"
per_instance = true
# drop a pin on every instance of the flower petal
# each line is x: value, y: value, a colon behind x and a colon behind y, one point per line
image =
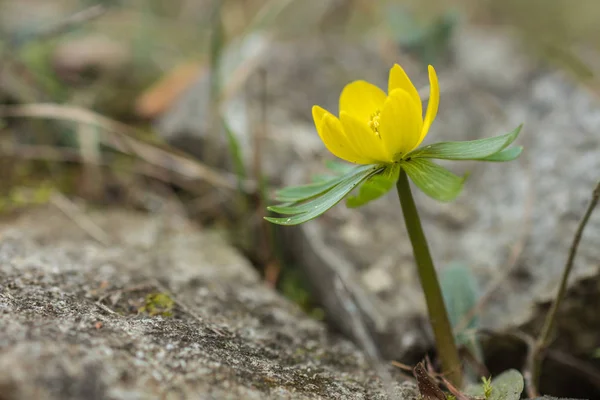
x: 361, y: 99
x: 332, y: 134
x: 363, y: 139
x: 434, y: 101
x: 400, y: 124
x: 399, y: 80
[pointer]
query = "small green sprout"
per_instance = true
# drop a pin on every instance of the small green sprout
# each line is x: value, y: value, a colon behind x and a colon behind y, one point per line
x: 487, y: 386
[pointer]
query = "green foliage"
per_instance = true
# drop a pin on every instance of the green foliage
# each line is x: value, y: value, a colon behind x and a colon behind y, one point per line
x: 481, y: 149
x: 486, y: 386
x: 158, y: 304
x: 294, y: 286
x: 235, y: 152
x: 461, y: 293
x: 435, y: 181
x: 375, y: 187
x: 338, y: 167
x: 294, y: 194
x: 507, y: 386
x: 439, y: 183
x: 308, y: 202
x: 505, y: 155
x: 24, y: 196
x: 371, y: 189
x: 36, y: 56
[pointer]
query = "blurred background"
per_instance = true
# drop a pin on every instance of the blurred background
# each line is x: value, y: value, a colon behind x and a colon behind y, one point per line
x: 136, y: 93
x: 204, y: 103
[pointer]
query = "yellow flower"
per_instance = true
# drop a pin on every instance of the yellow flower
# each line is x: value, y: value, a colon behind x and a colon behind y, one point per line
x: 374, y: 128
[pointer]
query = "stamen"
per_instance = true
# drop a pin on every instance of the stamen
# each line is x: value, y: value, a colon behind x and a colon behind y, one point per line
x: 374, y: 123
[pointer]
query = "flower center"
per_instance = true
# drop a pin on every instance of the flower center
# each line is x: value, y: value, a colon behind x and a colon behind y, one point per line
x: 374, y: 122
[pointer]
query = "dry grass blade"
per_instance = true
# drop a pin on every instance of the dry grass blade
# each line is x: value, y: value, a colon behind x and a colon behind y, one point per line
x: 83, y: 221
x: 124, y: 138
x: 89, y: 146
x: 74, y: 20
x: 402, y: 366
x: 61, y: 154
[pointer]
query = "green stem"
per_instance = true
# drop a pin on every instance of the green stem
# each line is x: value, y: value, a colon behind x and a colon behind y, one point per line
x: 438, y: 316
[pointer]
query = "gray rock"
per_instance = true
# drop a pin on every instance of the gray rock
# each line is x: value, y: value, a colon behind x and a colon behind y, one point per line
x: 71, y: 325
x: 551, y: 398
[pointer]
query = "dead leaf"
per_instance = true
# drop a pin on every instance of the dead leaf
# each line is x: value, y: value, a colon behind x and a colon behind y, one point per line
x: 163, y: 94
x: 428, y: 387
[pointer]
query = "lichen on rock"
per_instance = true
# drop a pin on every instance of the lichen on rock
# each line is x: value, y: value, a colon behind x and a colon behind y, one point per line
x: 70, y: 326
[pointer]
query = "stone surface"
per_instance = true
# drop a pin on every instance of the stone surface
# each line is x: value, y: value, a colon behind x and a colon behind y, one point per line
x: 71, y: 326
x: 514, y: 220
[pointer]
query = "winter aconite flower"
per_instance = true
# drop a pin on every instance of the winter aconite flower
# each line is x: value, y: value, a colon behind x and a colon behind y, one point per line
x: 375, y: 128
x: 382, y: 132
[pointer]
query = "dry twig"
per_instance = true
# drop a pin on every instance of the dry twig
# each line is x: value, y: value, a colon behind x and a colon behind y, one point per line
x: 125, y: 139
x: 537, y: 355
x: 71, y: 210
x: 73, y: 21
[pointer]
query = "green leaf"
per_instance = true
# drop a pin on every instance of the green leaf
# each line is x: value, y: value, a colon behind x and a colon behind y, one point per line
x: 317, y: 206
x: 302, y: 207
x: 299, y: 193
x: 435, y: 181
x: 236, y: 153
x: 304, y: 192
x: 506, y: 386
x: 461, y: 293
x: 375, y: 187
x: 467, y: 150
x: 322, y: 178
x: 338, y: 167
x: 505, y: 155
